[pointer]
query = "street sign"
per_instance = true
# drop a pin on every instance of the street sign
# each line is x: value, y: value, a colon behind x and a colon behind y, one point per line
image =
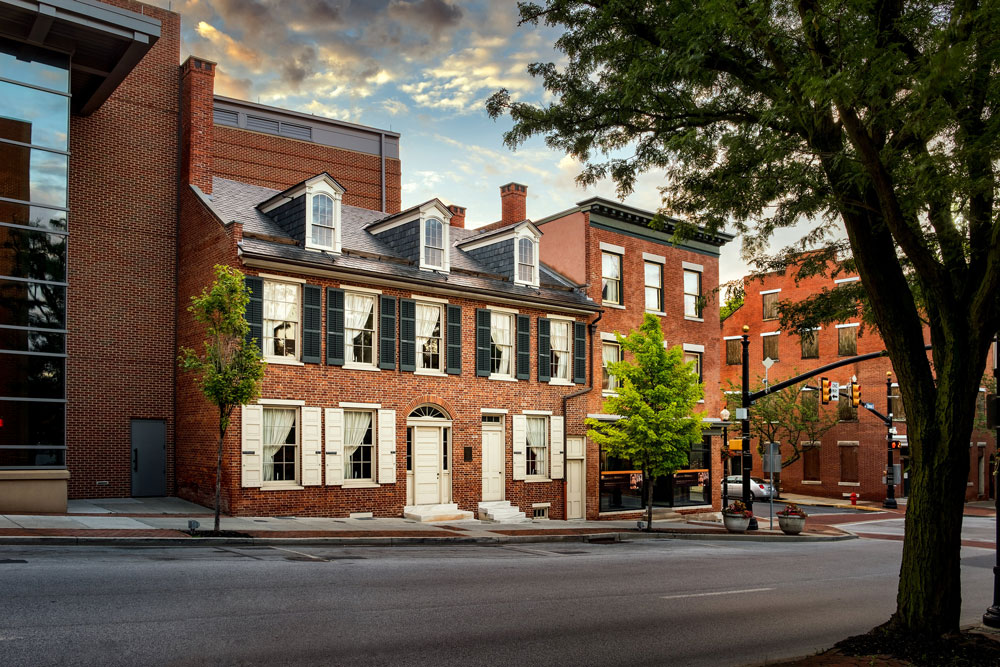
x: 869, y: 406
x: 768, y: 362
x: 834, y: 391
x: 772, y: 457
x: 735, y: 444
x: 739, y: 414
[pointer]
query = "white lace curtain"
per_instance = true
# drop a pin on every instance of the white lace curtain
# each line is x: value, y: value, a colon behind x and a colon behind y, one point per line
x: 500, y: 333
x: 536, y: 441
x: 280, y: 302
x: 355, y: 427
x: 427, y: 321
x: 560, y: 347
x: 357, y: 310
x: 277, y: 425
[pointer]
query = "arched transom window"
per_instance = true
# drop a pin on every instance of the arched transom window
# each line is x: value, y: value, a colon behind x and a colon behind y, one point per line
x: 428, y: 412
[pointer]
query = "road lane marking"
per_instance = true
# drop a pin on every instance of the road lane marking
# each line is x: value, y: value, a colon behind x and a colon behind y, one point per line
x: 705, y: 595
x: 299, y: 553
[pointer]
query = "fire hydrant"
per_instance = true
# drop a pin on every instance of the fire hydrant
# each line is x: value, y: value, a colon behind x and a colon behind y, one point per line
x: 854, y: 498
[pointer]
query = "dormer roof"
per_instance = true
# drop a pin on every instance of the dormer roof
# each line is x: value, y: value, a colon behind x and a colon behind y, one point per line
x: 299, y: 188
x: 498, y: 234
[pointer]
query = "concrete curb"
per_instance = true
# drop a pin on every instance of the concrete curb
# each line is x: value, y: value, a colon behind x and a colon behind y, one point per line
x: 842, y: 506
x: 615, y: 536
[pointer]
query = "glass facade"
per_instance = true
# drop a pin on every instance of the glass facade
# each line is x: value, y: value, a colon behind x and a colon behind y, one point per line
x: 34, y: 163
x: 622, y: 485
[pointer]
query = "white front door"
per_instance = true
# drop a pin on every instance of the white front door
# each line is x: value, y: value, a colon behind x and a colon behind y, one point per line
x: 576, y: 479
x: 426, y: 465
x: 493, y: 462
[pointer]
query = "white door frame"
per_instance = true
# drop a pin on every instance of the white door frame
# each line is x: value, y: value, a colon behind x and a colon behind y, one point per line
x: 576, y: 462
x: 444, y: 476
x: 498, y: 429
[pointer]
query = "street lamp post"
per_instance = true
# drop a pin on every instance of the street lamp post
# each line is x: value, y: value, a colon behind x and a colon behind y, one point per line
x: 725, y: 448
x: 992, y: 615
x: 890, y: 481
x: 745, y: 428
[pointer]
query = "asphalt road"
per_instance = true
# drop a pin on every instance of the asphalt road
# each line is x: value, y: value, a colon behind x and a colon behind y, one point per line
x: 662, y: 602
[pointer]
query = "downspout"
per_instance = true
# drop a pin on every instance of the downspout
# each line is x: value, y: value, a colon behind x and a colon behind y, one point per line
x: 591, y: 328
x: 381, y: 159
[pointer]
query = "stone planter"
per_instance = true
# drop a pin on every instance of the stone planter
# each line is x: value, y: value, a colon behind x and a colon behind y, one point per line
x: 735, y: 523
x: 791, y: 525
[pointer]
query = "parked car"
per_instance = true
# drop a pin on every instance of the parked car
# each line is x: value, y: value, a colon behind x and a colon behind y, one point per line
x: 758, y: 487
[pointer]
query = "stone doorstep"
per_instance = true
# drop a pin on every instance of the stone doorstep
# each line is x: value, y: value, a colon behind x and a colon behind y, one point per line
x: 428, y: 513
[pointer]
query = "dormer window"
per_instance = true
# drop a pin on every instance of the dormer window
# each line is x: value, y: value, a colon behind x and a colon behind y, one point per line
x: 322, y: 221
x: 526, y: 257
x: 433, y: 245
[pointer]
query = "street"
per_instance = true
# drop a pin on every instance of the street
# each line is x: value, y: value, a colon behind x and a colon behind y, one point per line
x: 648, y: 602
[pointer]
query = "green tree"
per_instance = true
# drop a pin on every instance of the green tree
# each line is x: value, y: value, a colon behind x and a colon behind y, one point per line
x: 230, y: 370
x: 656, y: 397
x: 881, y: 117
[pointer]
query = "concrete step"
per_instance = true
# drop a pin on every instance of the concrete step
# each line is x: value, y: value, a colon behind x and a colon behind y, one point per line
x: 501, y: 511
x: 442, y: 512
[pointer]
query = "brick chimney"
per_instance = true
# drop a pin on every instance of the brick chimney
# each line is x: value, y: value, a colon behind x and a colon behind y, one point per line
x: 513, y: 203
x: 457, y: 215
x: 197, y: 97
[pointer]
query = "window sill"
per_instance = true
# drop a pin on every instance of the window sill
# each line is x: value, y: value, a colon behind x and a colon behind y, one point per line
x: 811, y: 481
x: 536, y: 478
x: 658, y: 313
x: 694, y: 319
x: 848, y: 483
x: 608, y: 392
x: 432, y: 373
x: 360, y: 367
x: 535, y: 285
x: 279, y: 361
x: 701, y: 400
x: 561, y: 383
x: 330, y: 249
x: 502, y: 378
x: 607, y: 304
x: 359, y: 484
x: 281, y: 487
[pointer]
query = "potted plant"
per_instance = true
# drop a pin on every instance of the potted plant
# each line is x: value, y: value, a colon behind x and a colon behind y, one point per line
x: 792, y: 519
x: 736, y: 517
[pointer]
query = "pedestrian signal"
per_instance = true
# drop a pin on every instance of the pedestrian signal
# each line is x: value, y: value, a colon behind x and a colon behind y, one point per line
x: 824, y: 390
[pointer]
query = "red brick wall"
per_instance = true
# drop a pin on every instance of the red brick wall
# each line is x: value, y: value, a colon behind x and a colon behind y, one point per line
x: 197, y: 85
x: 867, y: 430
x: 564, y: 246
x: 203, y: 243
x: 279, y: 162
x: 123, y: 212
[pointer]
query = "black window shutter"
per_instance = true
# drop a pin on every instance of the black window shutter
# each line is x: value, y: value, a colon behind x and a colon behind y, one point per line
x: 312, y: 323
x: 387, y: 334
x: 579, y: 352
x: 482, y: 342
x: 255, y: 311
x: 407, y: 335
x: 523, y: 347
x: 453, y: 365
x: 334, y: 326
x: 544, y: 350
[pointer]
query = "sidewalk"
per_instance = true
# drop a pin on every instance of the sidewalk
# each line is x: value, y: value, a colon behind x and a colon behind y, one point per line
x: 164, y: 521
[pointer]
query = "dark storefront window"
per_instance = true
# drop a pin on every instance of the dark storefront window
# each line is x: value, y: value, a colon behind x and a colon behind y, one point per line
x: 34, y: 138
x: 621, y: 483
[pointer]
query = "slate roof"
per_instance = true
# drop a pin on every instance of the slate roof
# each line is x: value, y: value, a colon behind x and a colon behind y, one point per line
x: 235, y: 201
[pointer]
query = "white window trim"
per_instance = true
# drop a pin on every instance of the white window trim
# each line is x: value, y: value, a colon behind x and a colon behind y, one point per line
x: 357, y: 365
x: 619, y: 252
x: 445, y: 242
x: 847, y: 326
x: 286, y: 361
x: 548, y: 447
x: 611, y: 247
x: 650, y: 260
x: 280, y: 401
x: 771, y: 333
x: 609, y: 337
x: 612, y: 305
x: 692, y: 347
x: 284, y: 484
x: 318, y: 188
x: 560, y: 317
x: 526, y: 233
x: 691, y: 266
x: 769, y: 291
x: 567, y: 381
x: 839, y: 281
x: 363, y: 482
x: 537, y: 413
x: 443, y: 349
x: 512, y: 318
x: 361, y: 406
x: 355, y: 288
x: 428, y: 299
x: 732, y: 338
x: 493, y: 411
x: 286, y: 279
x: 694, y: 319
x: 604, y: 365
x: 650, y: 257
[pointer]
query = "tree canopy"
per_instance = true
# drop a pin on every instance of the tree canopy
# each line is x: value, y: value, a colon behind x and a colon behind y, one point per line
x: 874, y: 120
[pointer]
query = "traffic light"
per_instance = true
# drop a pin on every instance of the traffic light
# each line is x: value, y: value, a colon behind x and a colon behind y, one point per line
x: 824, y: 390
x: 894, y: 444
x: 856, y: 394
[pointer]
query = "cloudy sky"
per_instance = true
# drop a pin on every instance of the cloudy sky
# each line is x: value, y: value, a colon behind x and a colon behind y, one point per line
x: 423, y: 68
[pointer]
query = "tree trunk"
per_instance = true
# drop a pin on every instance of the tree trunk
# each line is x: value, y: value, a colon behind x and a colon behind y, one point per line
x: 218, y: 477
x: 649, y: 501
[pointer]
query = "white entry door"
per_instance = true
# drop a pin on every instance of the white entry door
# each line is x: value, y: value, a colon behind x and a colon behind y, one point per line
x: 493, y: 462
x: 576, y: 479
x: 426, y: 465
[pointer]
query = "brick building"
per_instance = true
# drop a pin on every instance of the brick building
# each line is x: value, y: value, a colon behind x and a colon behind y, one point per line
x: 414, y: 365
x: 851, y: 456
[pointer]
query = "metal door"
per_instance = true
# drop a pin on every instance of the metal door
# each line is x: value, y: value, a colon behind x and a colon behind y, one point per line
x: 149, y: 457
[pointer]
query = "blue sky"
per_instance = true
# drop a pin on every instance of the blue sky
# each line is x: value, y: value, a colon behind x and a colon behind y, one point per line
x: 423, y: 68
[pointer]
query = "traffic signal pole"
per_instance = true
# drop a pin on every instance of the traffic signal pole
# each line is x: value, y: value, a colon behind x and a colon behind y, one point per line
x: 890, y: 471
x: 745, y: 429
